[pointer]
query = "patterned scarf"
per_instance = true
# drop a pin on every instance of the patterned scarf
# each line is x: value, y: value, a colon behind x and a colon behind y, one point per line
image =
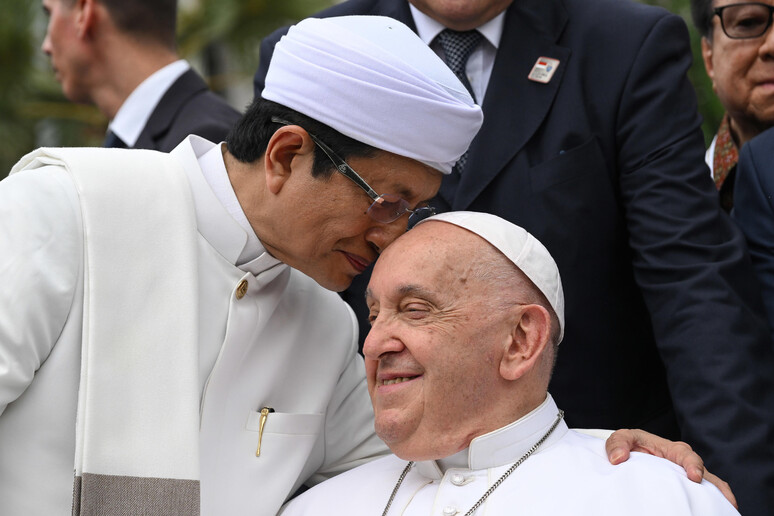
x: 724, y: 163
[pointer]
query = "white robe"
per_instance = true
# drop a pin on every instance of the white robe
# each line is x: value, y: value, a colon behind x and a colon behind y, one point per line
x: 569, y: 474
x: 288, y: 343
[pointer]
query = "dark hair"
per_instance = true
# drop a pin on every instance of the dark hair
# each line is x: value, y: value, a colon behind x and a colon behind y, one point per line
x: 702, y: 14
x: 148, y: 19
x: 248, y: 139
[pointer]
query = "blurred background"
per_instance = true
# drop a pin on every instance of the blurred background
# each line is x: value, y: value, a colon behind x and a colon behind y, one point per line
x: 220, y: 38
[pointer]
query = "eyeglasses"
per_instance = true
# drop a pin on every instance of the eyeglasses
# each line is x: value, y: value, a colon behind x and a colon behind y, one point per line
x: 385, y: 208
x: 745, y: 21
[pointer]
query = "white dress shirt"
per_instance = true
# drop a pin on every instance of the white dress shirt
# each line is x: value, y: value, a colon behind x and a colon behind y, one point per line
x: 709, y: 156
x: 134, y: 113
x: 481, y: 60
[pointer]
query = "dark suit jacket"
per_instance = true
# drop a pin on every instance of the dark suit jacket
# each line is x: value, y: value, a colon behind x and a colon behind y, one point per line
x: 188, y: 107
x: 754, y: 210
x: 605, y: 166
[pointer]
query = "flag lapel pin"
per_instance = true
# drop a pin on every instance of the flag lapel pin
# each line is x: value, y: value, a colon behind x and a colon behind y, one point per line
x: 543, y: 70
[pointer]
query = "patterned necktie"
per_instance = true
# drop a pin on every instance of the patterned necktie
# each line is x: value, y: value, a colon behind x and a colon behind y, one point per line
x: 457, y: 47
x: 113, y: 141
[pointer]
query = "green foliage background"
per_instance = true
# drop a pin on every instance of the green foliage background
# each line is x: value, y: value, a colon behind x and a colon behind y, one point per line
x: 33, y: 111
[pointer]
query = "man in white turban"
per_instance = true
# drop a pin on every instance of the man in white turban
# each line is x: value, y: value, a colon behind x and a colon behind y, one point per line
x: 467, y: 313
x: 154, y: 338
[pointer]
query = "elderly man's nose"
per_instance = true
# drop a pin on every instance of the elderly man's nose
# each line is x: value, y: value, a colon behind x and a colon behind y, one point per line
x: 381, y: 339
x: 371, y: 347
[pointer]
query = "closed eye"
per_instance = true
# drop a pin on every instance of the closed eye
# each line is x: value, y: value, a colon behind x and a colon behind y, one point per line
x: 416, y: 310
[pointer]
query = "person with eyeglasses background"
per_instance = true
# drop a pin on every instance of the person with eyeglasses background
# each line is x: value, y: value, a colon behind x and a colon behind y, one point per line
x: 737, y: 46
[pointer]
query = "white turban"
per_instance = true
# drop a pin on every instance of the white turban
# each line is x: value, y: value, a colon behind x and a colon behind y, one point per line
x: 372, y: 79
x: 520, y: 247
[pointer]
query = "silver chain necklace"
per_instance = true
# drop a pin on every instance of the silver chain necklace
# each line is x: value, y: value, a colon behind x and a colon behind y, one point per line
x: 499, y: 481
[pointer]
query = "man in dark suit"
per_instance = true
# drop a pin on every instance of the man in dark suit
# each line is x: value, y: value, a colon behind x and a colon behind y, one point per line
x: 121, y: 57
x: 591, y: 141
x: 755, y: 211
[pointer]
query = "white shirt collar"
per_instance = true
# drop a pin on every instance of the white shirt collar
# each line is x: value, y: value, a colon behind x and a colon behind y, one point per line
x: 428, y: 28
x: 214, y: 171
x: 139, y: 105
x: 504, y: 445
x: 709, y: 156
x: 219, y: 216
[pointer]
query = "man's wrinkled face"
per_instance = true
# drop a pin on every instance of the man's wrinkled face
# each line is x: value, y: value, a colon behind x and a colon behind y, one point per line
x: 65, y: 49
x: 327, y: 233
x: 742, y: 73
x: 462, y: 14
x: 431, y: 355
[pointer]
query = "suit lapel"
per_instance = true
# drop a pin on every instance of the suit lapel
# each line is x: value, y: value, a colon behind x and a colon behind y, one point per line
x: 514, y: 106
x: 175, y: 97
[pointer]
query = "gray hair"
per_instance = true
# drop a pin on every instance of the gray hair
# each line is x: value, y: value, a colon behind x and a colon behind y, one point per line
x: 510, y: 286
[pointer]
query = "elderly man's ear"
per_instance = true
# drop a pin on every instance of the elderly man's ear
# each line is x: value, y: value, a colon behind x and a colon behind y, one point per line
x: 525, y: 346
x: 706, y: 55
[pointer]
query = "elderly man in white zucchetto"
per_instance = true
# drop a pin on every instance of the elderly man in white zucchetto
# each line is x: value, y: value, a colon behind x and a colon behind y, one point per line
x: 467, y: 314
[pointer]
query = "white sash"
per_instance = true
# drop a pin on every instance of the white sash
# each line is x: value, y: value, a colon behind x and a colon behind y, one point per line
x: 138, y: 404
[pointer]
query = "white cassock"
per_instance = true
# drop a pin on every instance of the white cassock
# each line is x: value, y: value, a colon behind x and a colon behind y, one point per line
x: 569, y: 474
x: 267, y: 336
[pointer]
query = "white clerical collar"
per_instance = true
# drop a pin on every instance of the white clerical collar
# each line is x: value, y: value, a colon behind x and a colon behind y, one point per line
x: 219, y: 216
x: 214, y: 170
x: 428, y: 28
x: 504, y: 445
x: 139, y: 105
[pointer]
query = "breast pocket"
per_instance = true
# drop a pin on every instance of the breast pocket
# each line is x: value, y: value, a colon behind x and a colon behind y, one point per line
x: 568, y: 165
x: 285, y: 436
x: 291, y: 450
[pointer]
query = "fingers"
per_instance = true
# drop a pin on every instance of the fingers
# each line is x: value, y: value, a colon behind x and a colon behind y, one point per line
x: 618, y: 446
x: 723, y: 486
x: 679, y: 453
x: 624, y: 441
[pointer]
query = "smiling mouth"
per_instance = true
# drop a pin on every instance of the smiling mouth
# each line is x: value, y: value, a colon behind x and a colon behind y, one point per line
x: 400, y: 379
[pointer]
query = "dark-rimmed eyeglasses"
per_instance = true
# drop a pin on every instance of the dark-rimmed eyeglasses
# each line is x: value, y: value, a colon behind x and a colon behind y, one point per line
x: 385, y: 208
x: 746, y: 20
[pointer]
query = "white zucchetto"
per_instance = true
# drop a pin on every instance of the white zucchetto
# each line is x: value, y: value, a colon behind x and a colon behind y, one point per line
x: 372, y: 79
x: 520, y: 247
